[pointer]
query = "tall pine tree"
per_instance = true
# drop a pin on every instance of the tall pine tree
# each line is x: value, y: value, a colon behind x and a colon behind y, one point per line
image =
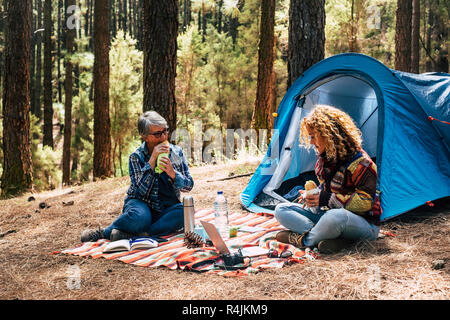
x: 306, y: 36
x: 262, y: 115
x: 68, y: 88
x: 48, y: 66
x: 17, y: 167
x: 160, y: 58
x: 102, y: 123
x: 403, y: 35
x: 415, y: 35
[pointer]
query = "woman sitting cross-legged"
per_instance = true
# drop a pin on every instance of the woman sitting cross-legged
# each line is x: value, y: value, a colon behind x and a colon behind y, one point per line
x: 346, y: 207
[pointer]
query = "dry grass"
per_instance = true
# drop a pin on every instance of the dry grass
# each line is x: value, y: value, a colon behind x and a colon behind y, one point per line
x: 389, y: 268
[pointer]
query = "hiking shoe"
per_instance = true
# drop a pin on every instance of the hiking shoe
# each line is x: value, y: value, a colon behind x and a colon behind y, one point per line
x: 291, y: 237
x: 117, y: 234
x: 92, y: 235
x: 334, y: 245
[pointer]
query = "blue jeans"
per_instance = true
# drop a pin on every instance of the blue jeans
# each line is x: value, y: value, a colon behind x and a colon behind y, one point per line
x: 137, y: 218
x: 331, y: 224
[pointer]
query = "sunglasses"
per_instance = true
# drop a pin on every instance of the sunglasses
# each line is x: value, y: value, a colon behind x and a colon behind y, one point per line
x: 158, y: 134
x: 274, y: 254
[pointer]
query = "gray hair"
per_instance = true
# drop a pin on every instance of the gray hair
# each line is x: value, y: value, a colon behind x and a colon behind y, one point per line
x: 150, y: 118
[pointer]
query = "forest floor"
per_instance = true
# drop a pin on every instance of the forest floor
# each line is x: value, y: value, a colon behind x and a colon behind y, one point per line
x: 399, y: 267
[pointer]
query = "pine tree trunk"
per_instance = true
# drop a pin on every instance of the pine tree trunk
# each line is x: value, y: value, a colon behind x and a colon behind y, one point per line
x: 113, y: 19
x: 38, y: 84
x: 91, y: 24
x: 68, y: 89
x: 204, y: 19
x: 48, y: 108
x: 86, y: 18
x: 17, y: 166
x: 430, y: 19
x: 160, y: 57
x: 2, y: 44
x: 219, y: 16
x: 403, y: 35
x: 140, y: 31
x: 130, y: 18
x: 124, y: 16
x: 262, y: 114
x: 306, y: 36
x: 415, y: 34
x: 353, y: 45
x: 60, y: 24
x: 32, y: 59
x: 440, y: 37
x: 234, y: 24
x: 102, y: 124
x: 186, y: 14
x: 135, y: 9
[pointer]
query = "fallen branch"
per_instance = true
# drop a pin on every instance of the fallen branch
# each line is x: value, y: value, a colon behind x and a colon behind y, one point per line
x: 232, y: 177
x: 6, y: 233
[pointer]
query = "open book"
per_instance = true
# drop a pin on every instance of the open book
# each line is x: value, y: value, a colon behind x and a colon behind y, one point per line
x: 130, y: 244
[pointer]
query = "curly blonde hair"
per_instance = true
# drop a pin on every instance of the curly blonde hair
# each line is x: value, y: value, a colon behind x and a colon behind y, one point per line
x: 342, y: 136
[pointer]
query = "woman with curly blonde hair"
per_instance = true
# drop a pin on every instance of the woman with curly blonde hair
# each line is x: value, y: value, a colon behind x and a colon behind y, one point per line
x: 344, y: 209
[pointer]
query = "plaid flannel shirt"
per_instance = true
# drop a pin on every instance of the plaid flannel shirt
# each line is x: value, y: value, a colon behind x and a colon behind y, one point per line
x: 144, y: 182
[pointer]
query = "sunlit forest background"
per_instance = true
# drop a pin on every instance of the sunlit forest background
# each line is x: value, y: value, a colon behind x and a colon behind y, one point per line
x: 216, y: 75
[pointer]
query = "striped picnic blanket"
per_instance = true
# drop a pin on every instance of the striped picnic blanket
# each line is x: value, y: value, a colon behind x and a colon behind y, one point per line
x: 174, y: 255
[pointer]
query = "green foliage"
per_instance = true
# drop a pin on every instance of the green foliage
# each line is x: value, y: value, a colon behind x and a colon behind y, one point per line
x: 125, y: 98
x: 215, y: 79
x: 45, y: 161
x: 216, y: 76
x: 370, y: 30
x: 82, y: 140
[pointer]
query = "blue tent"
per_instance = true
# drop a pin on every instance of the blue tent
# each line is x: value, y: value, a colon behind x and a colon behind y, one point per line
x: 402, y: 118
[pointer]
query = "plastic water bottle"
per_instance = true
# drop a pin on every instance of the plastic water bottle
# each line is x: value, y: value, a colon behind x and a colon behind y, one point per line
x: 221, y: 215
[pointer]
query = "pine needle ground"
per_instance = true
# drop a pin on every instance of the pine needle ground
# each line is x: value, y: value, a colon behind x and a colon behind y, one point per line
x: 399, y: 267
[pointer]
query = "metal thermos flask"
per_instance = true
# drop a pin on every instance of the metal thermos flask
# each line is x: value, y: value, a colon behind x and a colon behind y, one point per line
x: 189, y: 214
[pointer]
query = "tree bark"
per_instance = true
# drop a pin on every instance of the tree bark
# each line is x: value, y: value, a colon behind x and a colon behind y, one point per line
x: 91, y: 24
x: 430, y: 20
x: 17, y: 166
x: 160, y: 57
x: 440, y: 36
x: 403, y: 35
x: 306, y: 36
x: 186, y: 14
x: 102, y: 124
x: 48, y: 65
x: 68, y: 89
x: 262, y: 114
x: 415, y: 34
x: 38, y: 81
x: 32, y: 59
x: 233, y: 25
x: 124, y: 15
x: 60, y: 25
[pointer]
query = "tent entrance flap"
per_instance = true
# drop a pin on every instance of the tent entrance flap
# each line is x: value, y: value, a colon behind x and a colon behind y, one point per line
x: 296, y: 163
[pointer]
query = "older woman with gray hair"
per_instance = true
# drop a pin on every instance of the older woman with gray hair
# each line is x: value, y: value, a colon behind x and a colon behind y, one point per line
x: 152, y: 205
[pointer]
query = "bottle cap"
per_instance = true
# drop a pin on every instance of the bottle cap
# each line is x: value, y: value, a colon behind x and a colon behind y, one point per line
x: 188, y: 201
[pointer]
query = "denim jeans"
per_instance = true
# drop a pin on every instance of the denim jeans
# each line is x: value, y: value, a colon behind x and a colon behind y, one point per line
x: 331, y: 224
x: 137, y: 218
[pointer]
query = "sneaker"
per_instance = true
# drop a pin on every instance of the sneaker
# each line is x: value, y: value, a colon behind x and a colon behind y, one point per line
x: 117, y: 234
x: 92, y: 235
x: 291, y: 237
x: 334, y: 245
